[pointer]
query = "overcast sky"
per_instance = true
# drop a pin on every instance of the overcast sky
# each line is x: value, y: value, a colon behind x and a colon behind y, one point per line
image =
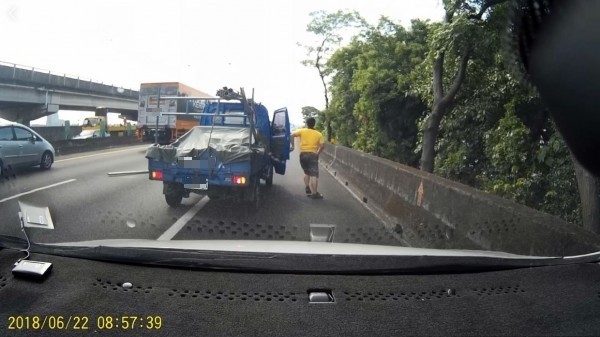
x: 206, y: 44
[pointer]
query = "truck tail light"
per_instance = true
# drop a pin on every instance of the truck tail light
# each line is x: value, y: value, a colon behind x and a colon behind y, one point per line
x: 156, y: 175
x: 239, y: 180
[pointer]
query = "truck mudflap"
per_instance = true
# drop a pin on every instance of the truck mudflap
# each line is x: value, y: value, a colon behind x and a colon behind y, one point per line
x: 172, y: 187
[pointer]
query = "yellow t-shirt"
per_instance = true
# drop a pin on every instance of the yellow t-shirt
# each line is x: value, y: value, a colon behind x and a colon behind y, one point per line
x: 309, y: 139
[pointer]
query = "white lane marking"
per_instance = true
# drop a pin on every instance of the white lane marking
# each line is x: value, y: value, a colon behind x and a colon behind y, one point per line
x: 100, y: 154
x: 178, y: 225
x: 37, y: 190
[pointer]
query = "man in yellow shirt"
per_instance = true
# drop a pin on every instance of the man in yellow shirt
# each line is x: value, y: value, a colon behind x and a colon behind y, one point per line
x: 311, y: 145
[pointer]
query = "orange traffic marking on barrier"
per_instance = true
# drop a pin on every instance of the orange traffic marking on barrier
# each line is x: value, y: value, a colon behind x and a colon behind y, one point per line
x: 420, y: 194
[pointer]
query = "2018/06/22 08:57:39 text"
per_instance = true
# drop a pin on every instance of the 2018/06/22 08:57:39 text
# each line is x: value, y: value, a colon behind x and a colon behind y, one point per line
x: 82, y: 322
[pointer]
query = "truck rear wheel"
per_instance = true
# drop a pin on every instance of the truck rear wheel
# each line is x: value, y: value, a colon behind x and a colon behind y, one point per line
x: 173, y: 194
x: 173, y: 200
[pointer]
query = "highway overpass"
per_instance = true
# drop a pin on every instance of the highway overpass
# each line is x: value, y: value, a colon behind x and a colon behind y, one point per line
x: 28, y: 93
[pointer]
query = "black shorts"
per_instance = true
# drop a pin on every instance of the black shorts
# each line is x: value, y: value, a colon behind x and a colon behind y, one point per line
x: 310, y: 163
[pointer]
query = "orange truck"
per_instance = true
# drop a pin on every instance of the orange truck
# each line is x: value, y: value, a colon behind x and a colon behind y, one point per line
x: 154, y: 121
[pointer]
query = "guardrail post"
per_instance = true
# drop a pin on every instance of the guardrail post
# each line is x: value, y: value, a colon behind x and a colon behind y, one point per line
x: 68, y: 133
x: 102, y: 128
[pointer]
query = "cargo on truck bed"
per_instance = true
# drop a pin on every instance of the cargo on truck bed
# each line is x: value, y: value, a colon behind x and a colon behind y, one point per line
x: 229, y: 144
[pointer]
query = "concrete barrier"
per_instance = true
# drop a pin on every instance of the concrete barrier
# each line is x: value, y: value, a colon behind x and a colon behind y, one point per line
x: 64, y: 147
x: 425, y: 210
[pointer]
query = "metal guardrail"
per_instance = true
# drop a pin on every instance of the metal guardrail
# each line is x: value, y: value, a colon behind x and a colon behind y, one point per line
x: 25, y: 74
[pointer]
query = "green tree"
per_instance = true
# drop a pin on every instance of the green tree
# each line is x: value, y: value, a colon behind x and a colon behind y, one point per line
x: 328, y: 28
x: 372, y: 108
x: 309, y: 111
x: 493, y: 131
x: 451, y: 47
x: 343, y: 65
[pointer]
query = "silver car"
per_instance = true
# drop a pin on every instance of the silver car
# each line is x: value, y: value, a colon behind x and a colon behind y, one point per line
x: 21, y: 146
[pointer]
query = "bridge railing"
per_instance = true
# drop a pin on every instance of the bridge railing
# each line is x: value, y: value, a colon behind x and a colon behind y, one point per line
x: 21, y: 74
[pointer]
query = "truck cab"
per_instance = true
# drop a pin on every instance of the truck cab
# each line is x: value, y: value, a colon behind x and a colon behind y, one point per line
x: 90, y: 123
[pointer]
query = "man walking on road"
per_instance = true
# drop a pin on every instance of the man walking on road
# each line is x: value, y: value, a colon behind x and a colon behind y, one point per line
x: 311, y: 145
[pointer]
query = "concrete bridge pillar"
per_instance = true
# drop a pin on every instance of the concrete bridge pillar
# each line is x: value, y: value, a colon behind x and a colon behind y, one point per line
x: 101, y: 112
x: 26, y: 113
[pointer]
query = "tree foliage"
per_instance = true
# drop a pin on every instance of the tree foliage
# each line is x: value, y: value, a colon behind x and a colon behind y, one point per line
x: 495, y: 134
x: 372, y: 107
x: 310, y: 111
x: 328, y: 29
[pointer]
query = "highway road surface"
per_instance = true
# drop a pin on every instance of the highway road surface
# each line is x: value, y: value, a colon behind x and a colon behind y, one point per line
x: 87, y: 204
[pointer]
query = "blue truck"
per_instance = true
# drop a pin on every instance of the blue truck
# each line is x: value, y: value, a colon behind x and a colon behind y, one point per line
x: 227, y: 155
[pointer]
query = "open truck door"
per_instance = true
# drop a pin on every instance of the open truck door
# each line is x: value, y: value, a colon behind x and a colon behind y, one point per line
x: 280, y: 139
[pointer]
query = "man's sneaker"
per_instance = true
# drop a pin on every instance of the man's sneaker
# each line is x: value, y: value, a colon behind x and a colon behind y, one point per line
x: 315, y: 196
x: 307, y: 190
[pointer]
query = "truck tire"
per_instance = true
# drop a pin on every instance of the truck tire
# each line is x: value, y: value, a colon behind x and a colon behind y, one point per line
x: 173, y: 194
x: 269, y: 180
x: 174, y: 199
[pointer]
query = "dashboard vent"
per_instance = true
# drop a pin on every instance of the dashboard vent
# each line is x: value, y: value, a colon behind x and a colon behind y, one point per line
x: 3, y: 281
x: 399, y: 295
x: 368, y: 234
x: 219, y: 229
x: 503, y: 290
x: 213, y: 229
x: 118, y: 286
x: 235, y: 296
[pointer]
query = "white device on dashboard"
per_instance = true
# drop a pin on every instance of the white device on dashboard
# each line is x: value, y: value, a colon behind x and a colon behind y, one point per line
x: 36, y: 217
x: 31, y: 268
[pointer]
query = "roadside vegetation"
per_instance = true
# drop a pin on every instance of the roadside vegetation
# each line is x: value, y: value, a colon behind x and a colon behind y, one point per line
x: 447, y: 97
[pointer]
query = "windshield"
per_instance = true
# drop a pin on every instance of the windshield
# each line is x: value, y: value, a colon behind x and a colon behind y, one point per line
x: 91, y: 122
x: 390, y: 123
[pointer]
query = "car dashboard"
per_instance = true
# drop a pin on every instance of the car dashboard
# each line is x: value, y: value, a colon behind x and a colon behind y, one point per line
x: 80, y: 296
